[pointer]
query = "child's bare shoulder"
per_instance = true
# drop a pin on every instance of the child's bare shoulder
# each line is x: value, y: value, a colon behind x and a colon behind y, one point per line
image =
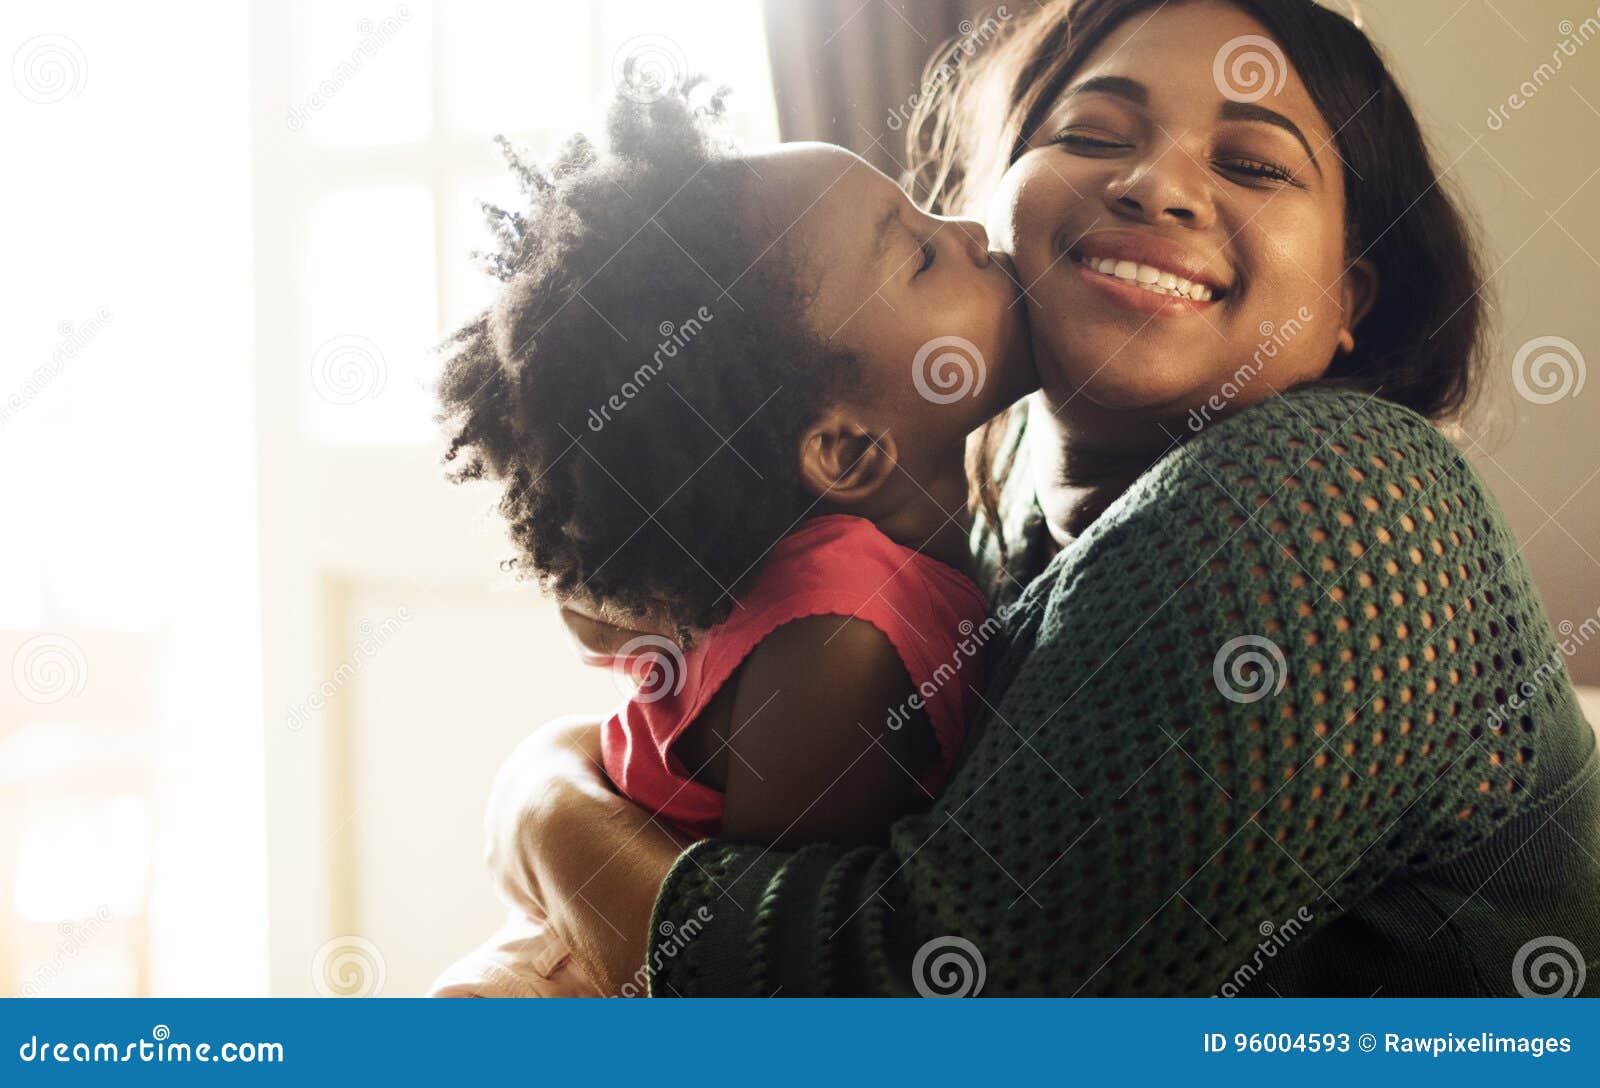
x: 813, y: 753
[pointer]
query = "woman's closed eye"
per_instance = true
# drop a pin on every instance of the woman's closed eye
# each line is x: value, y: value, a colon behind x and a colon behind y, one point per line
x: 929, y: 254
x: 1248, y: 166
x: 1239, y: 166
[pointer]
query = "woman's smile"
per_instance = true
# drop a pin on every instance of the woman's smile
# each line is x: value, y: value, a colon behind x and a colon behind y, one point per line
x: 1146, y: 273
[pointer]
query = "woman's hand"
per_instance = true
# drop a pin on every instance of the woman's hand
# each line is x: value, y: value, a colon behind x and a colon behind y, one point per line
x: 564, y: 844
x: 558, y: 760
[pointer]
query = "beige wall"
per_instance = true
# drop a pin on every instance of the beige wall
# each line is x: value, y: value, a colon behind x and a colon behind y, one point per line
x: 1532, y: 182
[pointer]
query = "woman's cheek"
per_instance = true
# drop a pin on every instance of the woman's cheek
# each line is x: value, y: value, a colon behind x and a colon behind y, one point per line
x: 1025, y: 210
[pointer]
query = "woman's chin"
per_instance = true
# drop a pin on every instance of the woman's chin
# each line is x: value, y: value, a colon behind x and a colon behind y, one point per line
x: 1120, y: 384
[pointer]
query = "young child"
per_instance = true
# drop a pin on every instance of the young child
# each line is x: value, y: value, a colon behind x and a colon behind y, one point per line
x: 730, y: 395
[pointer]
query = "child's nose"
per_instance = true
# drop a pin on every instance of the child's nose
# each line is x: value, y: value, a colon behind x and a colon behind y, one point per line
x: 976, y: 239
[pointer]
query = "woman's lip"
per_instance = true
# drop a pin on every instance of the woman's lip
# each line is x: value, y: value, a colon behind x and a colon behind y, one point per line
x: 1138, y: 299
x: 1148, y: 249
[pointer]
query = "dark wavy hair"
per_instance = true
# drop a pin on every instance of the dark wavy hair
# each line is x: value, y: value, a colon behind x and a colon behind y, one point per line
x: 1421, y: 345
x: 642, y: 384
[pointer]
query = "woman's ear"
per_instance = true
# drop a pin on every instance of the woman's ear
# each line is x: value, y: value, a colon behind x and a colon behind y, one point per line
x: 1360, y: 291
x: 843, y: 461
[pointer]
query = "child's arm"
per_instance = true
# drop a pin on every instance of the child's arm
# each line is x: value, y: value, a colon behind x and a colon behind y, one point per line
x: 812, y: 756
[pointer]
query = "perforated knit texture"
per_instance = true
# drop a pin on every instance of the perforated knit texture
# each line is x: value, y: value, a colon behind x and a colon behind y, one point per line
x: 1138, y: 807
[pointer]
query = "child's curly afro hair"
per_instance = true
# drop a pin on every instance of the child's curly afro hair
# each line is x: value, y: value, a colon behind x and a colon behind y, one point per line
x: 643, y: 382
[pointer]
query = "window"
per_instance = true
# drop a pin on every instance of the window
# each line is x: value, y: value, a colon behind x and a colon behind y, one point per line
x: 388, y: 152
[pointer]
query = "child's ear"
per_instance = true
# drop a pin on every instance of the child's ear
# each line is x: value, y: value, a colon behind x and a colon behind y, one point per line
x: 843, y: 461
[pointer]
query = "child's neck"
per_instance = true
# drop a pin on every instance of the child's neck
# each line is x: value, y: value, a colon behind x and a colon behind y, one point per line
x: 928, y: 513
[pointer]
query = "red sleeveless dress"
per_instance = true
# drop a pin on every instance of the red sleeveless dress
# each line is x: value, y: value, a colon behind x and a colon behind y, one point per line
x: 838, y: 565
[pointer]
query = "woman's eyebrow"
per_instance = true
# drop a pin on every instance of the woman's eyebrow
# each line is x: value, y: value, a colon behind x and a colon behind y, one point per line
x: 1120, y: 86
x: 1250, y: 111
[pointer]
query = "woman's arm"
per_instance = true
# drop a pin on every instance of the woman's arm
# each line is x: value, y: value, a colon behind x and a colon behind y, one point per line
x: 1248, y: 698
x: 561, y: 840
x: 1252, y: 694
x: 808, y: 762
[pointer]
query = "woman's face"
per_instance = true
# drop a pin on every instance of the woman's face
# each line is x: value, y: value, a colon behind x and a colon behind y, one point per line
x: 1145, y: 170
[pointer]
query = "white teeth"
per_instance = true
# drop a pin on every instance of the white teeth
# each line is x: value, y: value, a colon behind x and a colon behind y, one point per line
x: 1151, y: 279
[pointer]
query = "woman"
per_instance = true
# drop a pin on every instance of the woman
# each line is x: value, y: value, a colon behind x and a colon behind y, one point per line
x: 1278, y: 710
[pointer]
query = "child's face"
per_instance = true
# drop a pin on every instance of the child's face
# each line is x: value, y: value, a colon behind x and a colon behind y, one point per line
x: 935, y: 319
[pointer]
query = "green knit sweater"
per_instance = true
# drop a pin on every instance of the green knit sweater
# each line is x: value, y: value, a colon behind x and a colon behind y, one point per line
x: 1288, y: 719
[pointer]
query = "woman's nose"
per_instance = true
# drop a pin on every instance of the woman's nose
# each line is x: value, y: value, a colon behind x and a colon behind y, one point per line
x: 1167, y: 187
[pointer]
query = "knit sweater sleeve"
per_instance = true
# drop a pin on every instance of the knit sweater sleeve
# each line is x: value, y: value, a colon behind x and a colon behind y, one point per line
x: 1269, y: 678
